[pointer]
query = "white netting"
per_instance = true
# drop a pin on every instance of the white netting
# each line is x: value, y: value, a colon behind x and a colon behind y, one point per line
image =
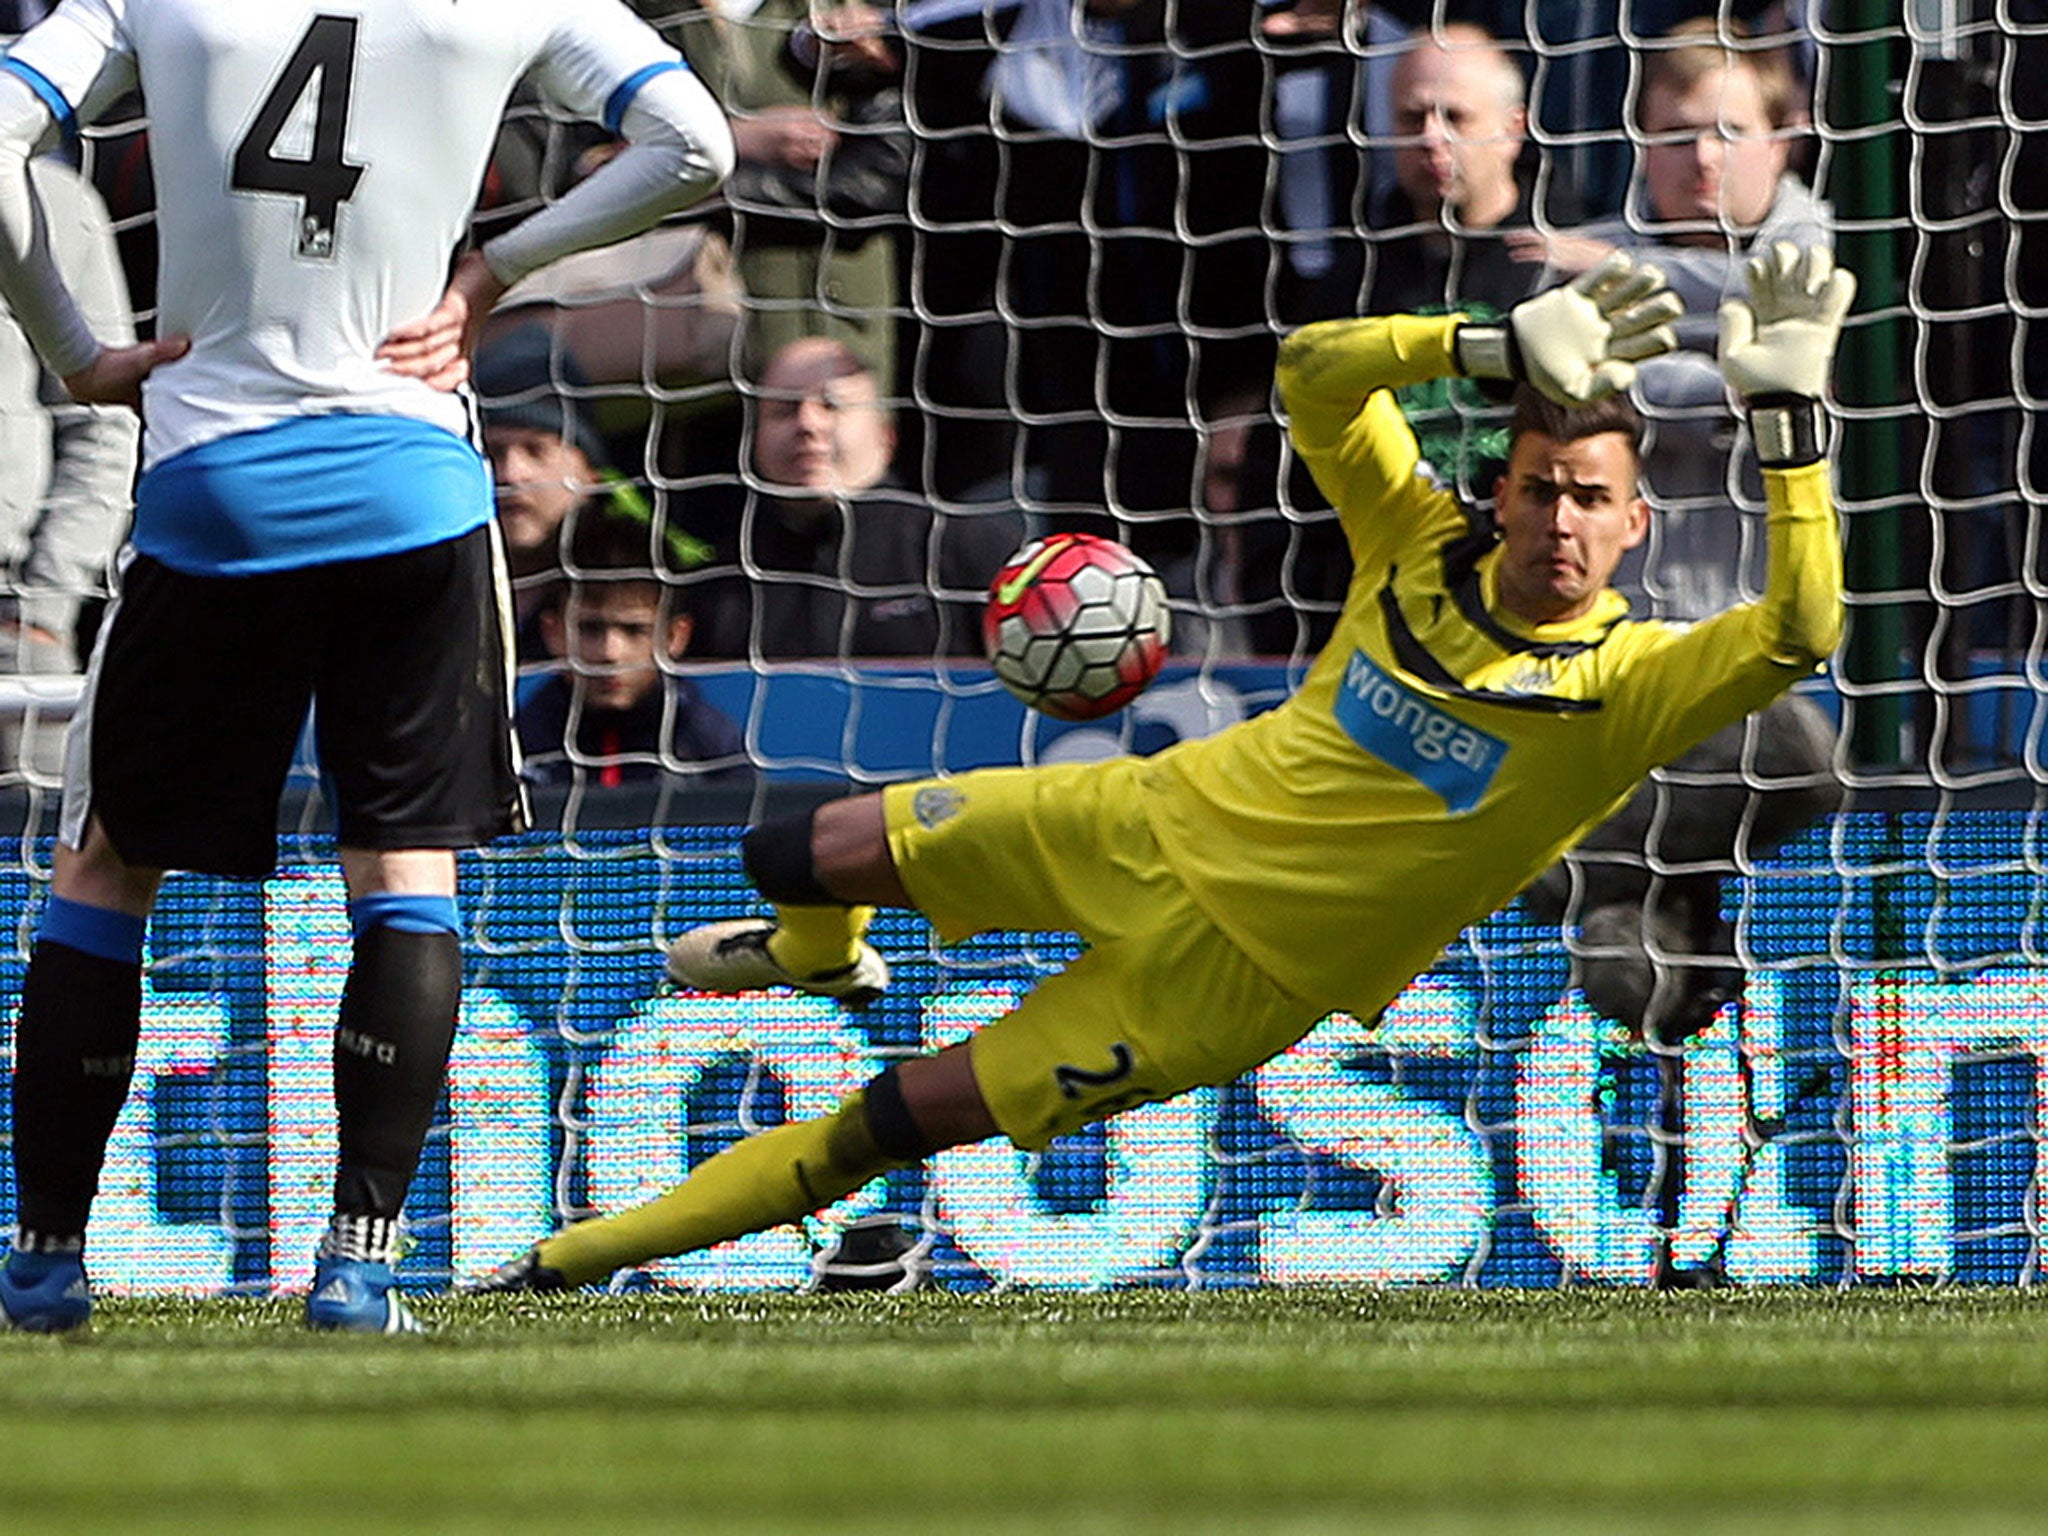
x: 1066, y: 239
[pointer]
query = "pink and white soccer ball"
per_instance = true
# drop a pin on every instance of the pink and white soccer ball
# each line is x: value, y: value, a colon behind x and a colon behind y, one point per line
x: 1076, y: 626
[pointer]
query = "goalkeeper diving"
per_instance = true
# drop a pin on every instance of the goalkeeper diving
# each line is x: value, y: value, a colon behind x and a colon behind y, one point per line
x: 1484, y: 702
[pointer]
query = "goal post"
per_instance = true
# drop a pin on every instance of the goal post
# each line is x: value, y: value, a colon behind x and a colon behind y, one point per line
x: 1111, y: 213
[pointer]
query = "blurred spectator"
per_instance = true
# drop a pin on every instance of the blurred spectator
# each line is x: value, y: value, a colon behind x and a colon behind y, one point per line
x: 822, y: 179
x: 662, y: 312
x: 1460, y: 127
x: 1716, y: 119
x: 1208, y: 585
x: 1464, y: 185
x: 836, y: 559
x: 1462, y: 180
x: 551, y: 470
x: 620, y: 711
x: 66, y: 471
x: 1322, y: 96
x: 1716, y: 123
x: 1089, y: 247
x: 536, y: 159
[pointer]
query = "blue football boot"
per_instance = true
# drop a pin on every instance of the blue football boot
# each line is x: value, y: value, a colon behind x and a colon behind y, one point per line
x: 44, y: 1292
x: 357, y: 1296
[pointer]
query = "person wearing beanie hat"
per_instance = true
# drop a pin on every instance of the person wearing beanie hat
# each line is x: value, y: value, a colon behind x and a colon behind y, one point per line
x: 550, y: 468
x: 528, y: 379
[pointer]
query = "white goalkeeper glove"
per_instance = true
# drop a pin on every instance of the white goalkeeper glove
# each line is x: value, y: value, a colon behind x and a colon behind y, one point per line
x: 1580, y: 342
x: 1778, y: 347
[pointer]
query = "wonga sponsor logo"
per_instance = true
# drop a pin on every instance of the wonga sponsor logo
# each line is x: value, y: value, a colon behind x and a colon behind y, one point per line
x: 1404, y: 730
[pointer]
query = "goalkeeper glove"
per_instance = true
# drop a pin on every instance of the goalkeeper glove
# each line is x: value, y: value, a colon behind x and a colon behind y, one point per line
x: 1580, y: 342
x: 1778, y: 345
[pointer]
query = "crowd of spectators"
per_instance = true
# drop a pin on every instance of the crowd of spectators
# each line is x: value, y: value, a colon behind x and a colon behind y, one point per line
x: 989, y: 268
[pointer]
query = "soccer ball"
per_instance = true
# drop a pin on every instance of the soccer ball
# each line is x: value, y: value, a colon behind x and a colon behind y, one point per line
x: 1076, y: 626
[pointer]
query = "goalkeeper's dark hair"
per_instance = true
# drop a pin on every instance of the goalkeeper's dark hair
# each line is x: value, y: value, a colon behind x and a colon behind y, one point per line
x: 1537, y: 412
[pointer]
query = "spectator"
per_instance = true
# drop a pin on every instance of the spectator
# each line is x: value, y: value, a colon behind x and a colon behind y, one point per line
x: 65, y: 470
x: 1321, y: 94
x: 662, y: 313
x: 1461, y: 182
x: 1460, y: 127
x: 1090, y: 240
x: 1716, y: 121
x: 1463, y: 185
x: 550, y: 468
x: 620, y: 712
x: 823, y: 173
x: 1286, y: 564
x: 835, y: 557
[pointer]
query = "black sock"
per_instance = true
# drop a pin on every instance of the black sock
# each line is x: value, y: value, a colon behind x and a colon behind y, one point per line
x: 391, y: 1048
x: 74, y: 1054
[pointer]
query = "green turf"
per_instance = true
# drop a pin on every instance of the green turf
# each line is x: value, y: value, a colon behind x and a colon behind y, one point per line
x: 1225, y: 1412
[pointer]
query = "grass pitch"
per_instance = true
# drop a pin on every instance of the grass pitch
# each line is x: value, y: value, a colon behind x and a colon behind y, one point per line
x: 1144, y: 1412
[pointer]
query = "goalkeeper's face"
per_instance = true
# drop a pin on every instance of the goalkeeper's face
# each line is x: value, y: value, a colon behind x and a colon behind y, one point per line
x: 1568, y: 512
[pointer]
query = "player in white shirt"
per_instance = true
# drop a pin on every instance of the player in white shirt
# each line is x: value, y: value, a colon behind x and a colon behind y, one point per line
x: 313, y: 521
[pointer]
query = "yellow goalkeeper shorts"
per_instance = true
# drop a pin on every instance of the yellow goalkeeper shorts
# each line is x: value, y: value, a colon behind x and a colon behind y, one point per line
x: 1161, y: 1002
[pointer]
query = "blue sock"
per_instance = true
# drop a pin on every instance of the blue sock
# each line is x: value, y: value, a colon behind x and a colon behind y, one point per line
x: 406, y: 914
x: 94, y: 930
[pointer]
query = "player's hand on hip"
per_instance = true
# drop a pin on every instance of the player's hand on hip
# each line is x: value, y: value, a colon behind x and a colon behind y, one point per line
x: 1579, y: 342
x: 115, y: 376
x: 1780, y: 341
x: 437, y: 347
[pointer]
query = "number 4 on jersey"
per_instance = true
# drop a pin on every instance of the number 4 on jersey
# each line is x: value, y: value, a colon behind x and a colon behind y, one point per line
x: 323, y: 180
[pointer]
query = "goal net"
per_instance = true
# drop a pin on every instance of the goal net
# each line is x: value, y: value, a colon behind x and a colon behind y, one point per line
x: 1064, y: 239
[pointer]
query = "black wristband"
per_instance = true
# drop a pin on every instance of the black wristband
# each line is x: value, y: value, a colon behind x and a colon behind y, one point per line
x: 1487, y: 351
x: 1786, y: 430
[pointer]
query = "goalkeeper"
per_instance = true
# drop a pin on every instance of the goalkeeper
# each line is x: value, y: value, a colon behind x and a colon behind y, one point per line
x: 1483, y: 703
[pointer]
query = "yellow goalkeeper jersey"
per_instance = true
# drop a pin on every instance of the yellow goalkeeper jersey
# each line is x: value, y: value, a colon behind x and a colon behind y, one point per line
x: 1441, y: 753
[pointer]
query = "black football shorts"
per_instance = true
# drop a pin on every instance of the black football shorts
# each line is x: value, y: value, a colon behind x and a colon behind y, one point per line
x: 199, y: 690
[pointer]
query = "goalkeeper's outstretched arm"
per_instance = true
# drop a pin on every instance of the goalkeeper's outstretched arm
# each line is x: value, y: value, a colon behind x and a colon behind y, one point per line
x: 1576, y: 343
x: 1777, y: 349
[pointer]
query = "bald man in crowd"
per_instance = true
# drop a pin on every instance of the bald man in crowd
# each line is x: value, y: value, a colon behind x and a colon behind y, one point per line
x: 1461, y: 124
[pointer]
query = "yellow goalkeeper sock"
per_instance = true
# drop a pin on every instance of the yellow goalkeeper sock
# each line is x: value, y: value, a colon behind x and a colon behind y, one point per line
x: 760, y: 1182
x: 813, y: 941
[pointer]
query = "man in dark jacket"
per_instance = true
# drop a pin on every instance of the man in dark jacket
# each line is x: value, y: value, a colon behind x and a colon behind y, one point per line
x: 833, y: 557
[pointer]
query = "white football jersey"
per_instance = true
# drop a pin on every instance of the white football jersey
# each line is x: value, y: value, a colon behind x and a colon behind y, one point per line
x: 316, y: 167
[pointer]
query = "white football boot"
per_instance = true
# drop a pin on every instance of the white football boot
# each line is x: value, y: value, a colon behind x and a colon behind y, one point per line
x: 733, y: 957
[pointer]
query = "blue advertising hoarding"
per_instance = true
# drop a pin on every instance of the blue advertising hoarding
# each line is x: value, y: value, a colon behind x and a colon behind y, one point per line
x: 1491, y: 1131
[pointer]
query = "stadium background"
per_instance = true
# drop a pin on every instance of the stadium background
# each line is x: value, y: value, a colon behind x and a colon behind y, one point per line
x: 1492, y: 1132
